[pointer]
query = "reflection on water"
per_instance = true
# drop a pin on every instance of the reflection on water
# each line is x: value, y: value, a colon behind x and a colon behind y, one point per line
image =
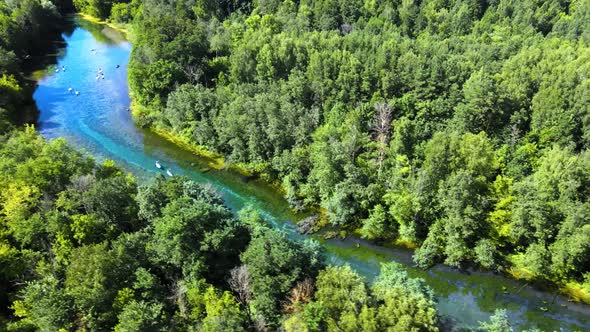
x: 98, y: 121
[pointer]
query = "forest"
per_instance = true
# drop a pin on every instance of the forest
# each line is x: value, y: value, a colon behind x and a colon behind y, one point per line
x: 84, y: 247
x: 458, y: 128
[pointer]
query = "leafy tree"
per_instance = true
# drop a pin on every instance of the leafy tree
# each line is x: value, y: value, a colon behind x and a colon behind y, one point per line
x: 143, y: 316
x: 498, y: 322
x: 343, y: 294
x: 275, y: 264
x: 46, y: 305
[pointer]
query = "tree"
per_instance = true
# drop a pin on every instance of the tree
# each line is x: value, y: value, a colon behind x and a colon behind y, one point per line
x: 377, y: 226
x: 275, y: 264
x: 142, y: 316
x: 121, y: 13
x: 188, y: 229
x: 92, y: 280
x: 482, y: 109
x: 223, y: 313
x: 498, y: 322
x: 341, y: 292
x: 45, y: 305
x: 382, y: 128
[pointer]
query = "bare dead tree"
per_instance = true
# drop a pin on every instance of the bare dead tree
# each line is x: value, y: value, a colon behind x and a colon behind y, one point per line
x: 179, y: 297
x: 346, y: 28
x: 301, y: 293
x: 514, y: 135
x: 382, y: 128
x: 193, y: 73
x: 239, y: 282
x: 260, y: 324
x: 83, y: 183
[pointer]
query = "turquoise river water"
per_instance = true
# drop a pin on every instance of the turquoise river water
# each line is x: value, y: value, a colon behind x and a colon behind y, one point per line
x: 98, y: 121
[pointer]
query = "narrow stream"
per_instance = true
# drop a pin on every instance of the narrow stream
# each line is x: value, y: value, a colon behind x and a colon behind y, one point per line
x: 98, y: 121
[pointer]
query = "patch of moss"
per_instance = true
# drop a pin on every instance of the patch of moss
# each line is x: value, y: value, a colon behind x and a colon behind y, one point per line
x: 576, y: 292
x: 119, y: 27
x: 215, y: 160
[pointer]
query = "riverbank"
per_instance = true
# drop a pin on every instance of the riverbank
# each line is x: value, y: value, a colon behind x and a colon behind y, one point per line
x: 123, y: 28
x: 214, y: 160
x: 573, y: 290
x: 100, y: 123
x: 217, y: 161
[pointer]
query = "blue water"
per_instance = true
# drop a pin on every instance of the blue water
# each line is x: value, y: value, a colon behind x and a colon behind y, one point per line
x: 98, y: 121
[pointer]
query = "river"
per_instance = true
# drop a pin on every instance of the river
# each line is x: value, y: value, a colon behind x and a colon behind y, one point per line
x: 98, y: 121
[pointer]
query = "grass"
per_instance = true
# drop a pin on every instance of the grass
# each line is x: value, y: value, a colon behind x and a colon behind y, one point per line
x: 576, y: 292
x: 123, y: 28
x: 216, y: 161
x: 572, y: 289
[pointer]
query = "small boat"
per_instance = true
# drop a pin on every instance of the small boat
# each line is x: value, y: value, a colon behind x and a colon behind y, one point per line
x: 118, y: 66
x: 63, y: 68
x: 70, y: 90
x: 77, y: 93
x: 102, y: 77
x: 158, y: 164
x: 97, y: 77
x: 169, y: 172
x: 544, y: 309
x: 57, y: 70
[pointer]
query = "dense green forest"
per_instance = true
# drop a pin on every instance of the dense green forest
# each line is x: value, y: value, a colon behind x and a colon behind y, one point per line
x: 82, y: 247
x: 458, y: 127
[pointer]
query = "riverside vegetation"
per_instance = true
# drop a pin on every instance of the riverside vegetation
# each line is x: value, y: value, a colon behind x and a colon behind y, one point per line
x: 83, y: 247
x: 458, y: 127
